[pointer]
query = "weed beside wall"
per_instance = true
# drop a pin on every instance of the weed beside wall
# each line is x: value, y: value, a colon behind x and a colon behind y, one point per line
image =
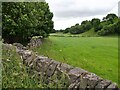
x: 58, y: 74
x: 15, y: 74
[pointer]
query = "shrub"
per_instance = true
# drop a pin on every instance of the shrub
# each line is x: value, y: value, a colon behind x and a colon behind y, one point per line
x: 23, y: 20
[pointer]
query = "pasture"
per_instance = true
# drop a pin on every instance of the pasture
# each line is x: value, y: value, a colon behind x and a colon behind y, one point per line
x: 95, y: 54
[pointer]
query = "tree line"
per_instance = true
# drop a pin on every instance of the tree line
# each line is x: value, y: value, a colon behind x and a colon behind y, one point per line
x: 108, y: 25
x: 23, y: 20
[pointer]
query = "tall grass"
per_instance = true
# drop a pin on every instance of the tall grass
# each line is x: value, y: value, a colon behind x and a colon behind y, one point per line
x: 16, y: 75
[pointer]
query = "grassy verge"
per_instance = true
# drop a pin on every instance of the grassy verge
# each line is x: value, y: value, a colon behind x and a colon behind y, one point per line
x: 14, y: 72
x: 95, y: 54
x: 16, y: 75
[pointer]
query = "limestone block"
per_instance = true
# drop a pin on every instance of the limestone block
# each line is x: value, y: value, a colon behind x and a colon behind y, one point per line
x: 20, y: 52
x: 112, y: 86
x: 92, y: 80
x: 103, y: 84
x: 64, y: 67
x: 74, y: 85
x: 29, y: 60
x: 26, y: 54
x: 76, y: 73
x: 20, y: 46
x: 83, y: 83
x: 42, y: 63
x: 52, y: 67
x: 35, y: 42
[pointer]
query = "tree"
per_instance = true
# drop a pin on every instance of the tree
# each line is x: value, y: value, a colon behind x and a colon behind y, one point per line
x: 110, y: 18
x: 76, y: 29
x: 95, y: 23
x: 117, y: 26
x: 86, y: 25
x: 106, y: 30
x: 109, y: 25
x: 23, y: 20
x: 66, y: 30
x: 53, y: 31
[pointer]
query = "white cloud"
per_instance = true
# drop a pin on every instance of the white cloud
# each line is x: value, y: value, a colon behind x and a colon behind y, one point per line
x: 70, y: 12
x: 62, y: 23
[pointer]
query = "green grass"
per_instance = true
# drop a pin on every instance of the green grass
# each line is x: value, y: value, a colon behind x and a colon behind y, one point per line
x: 16, y: 75
x: 85, y: 34
x: 90, y: 32
x: 95, y: 54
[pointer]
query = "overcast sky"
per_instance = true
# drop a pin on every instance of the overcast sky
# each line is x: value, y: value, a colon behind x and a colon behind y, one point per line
x: 69, y: 12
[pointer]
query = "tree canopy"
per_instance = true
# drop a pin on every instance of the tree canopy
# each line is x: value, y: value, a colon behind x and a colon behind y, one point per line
x: 109, y: 25
x: 23, y: 20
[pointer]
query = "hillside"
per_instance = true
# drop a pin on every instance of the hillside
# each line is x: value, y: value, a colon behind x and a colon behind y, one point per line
x: 110, y: 24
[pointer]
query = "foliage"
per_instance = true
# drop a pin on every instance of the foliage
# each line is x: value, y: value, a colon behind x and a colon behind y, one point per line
x: 109, y: 25
x: 96, y: 24
x: 23, y: 20
x: 110, y: 18
x: 117, y: 26
x: 14, y: 73
x: 87, y: 25
x: 66, y: 30
x: 53, y: 31
x: 76, y: 29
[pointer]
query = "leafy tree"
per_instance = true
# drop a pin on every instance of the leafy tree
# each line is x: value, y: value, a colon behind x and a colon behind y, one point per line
x: 76, y: 29
x: 110, y: 18
x: 109, y: 29
x: 95, y: 23
x: 117, y: 26
x: 23, y: 20
x: 66, y: 30
x: 109, y: 25
x: 86, y: 25
x: 53, y: 31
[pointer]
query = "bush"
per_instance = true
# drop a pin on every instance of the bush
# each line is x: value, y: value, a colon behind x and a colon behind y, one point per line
x: 23, y: 20
x: 77, y: 30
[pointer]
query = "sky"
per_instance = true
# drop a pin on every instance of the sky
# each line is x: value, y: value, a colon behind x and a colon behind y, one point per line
x: 69, y: 12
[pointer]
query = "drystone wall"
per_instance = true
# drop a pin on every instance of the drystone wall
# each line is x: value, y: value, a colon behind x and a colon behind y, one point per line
x: 35, y: 42
x: 74, y: 77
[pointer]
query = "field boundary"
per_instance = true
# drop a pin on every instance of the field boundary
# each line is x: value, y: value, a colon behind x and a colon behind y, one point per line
x: 74, y: 77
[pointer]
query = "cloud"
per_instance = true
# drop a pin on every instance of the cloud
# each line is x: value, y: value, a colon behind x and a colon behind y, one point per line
x: 63, y: 23
x: 77, y: 8
x: 66, y: 11
x: 80, y: 13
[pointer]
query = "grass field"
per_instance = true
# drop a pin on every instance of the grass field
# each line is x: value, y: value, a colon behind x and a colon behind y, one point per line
x: 95, y: 54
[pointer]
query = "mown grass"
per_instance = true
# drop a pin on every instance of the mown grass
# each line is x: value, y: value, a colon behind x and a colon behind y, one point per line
x: 95, y: 54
